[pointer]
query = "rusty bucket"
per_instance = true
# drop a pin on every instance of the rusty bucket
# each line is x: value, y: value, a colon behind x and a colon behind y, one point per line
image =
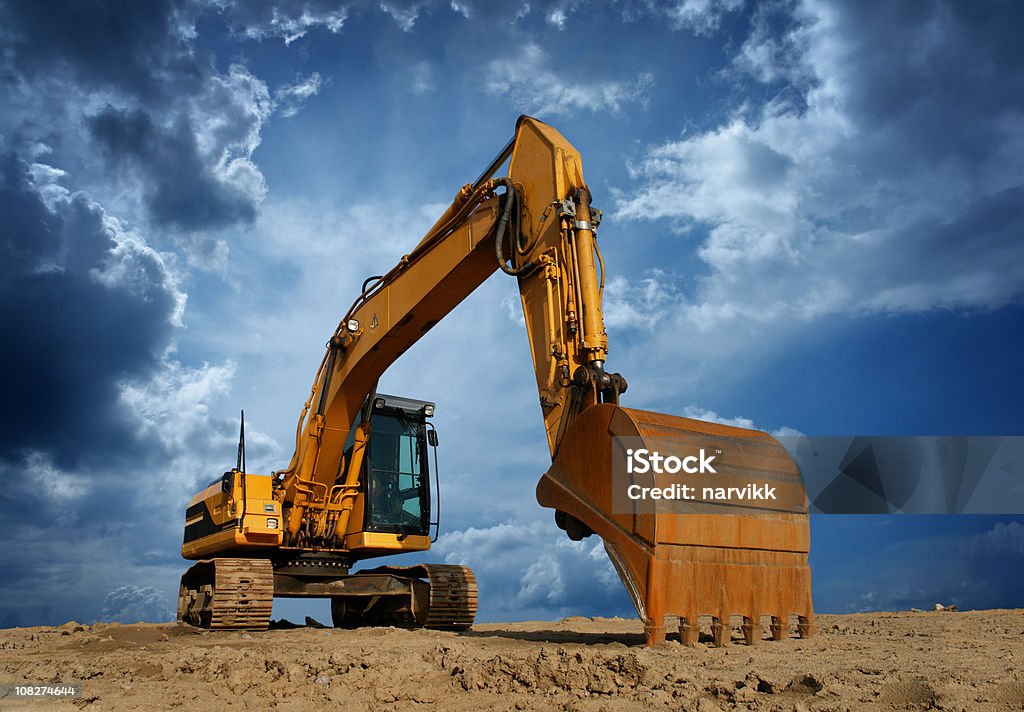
x: 686, y: 557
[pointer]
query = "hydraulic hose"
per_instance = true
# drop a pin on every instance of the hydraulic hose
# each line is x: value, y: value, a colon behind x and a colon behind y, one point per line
x: 511, y: 199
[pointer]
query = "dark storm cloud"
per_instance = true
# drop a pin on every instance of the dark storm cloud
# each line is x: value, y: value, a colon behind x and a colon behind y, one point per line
x: 173, y: 123
x: 180, y: 188
x: 949, y: 50
x: 59, y: 568
x: 925, y: 81
x: 932, y: 81
x: 131, y: 46
x: 81, y: 308
x: 83, y: 305
x: 87, y: 307
x: 916, y: 561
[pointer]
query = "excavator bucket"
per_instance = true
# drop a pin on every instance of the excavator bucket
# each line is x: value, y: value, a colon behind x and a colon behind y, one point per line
x: 730, y: 550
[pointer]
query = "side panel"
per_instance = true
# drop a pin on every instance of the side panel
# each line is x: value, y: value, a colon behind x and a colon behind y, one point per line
x: 216, y: 521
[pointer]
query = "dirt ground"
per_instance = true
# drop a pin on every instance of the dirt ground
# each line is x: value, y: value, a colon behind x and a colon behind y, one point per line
x: 968, y: 660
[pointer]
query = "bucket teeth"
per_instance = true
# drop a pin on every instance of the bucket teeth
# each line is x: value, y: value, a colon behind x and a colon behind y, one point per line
x: 806, y: 627
x: 719, y: 632
x: 751, y: 629
x: 779, y: 627
x: 689, y: 633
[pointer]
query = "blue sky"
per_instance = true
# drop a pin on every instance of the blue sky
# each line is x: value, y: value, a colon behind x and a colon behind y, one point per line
x: 813, y: 220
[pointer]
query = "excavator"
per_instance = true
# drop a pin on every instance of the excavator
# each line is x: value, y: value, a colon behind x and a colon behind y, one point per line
x: 358, y: 485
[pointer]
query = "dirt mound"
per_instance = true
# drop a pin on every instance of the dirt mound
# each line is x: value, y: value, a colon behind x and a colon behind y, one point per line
x: 545, y: 671
x: 964, y: 660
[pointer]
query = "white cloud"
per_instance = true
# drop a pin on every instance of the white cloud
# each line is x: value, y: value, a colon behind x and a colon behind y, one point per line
x: 184, y: 171
x: 59, y: 486
x: 463, y: 8
x: 531, y: 81
x: 137, y: 267
x: 131, y: 604
x: 488, y: 11
x: 179, y: 407
x: 420, y: 79
x: 558, y: 13
x: 229, y: 118
x: 644, y: 303
x: 175, y: 404
x: 291, y: 20
x: 513, y: 305
x: 533, y: 569
x: 703, y: 17
x: 291, y: 98
x: 839, y: 202
x: 1005, y: 539
x: 697, y: 413
x: 771, y: 54
x: 230, y: 112
x: 404, y: 13
x: 257, y: 21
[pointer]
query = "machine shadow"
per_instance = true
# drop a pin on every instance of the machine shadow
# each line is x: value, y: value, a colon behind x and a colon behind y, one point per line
x: 559, y: 636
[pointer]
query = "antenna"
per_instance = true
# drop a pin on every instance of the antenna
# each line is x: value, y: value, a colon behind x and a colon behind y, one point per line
x: 240, y: 466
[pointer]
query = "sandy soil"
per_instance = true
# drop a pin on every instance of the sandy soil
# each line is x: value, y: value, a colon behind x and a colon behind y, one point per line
x: 942, y: 660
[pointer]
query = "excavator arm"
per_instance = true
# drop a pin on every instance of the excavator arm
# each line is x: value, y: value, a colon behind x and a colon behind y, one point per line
x: 536, y: 224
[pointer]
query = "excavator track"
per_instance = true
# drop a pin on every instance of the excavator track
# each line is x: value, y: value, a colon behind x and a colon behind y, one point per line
x: 227, y: 594
x: 440, y: 597
x: 453, y: 597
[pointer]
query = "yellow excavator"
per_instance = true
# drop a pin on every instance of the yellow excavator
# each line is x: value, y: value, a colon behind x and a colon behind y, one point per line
x: 358, y: 485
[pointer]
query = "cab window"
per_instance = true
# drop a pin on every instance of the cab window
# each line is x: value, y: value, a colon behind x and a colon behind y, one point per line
x: 397, y: 475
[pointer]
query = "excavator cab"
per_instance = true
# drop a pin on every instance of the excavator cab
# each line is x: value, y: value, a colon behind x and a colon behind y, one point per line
x: 396, y: 471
